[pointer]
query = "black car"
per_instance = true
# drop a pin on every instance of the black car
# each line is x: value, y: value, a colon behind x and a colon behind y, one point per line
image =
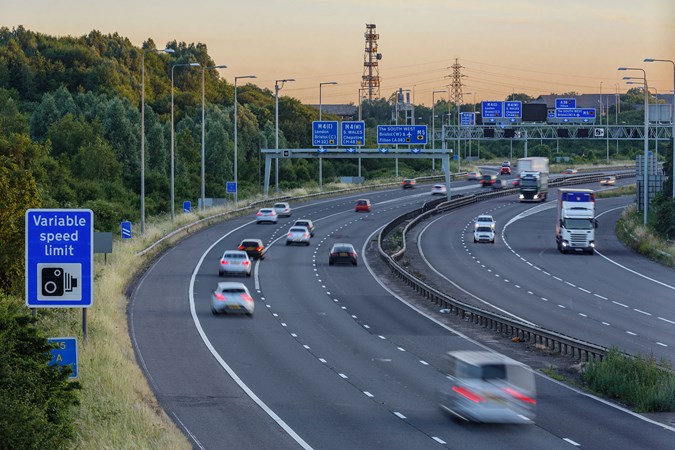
x: 342, y: 253
x: 305, y: 223
x: 254, y: 248
x: 488, y: 180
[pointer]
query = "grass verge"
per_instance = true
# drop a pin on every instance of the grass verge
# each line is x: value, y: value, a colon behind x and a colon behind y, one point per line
x: 631, y: 231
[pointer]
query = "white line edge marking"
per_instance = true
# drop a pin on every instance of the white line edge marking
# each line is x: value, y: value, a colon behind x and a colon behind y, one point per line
x: 570, y: 441
x: 368, y: 394
x: 399, y: 415
x: 439, y: 440
x: 221, y: 361
x: 666, y: 320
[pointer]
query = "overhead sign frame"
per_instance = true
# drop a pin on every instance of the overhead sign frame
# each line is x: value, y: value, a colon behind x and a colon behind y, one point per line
x: 325, y: 133
x: 352, y: 133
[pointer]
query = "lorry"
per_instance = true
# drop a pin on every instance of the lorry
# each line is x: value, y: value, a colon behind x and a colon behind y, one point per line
x: 575, y: 221
x: 533, y: 179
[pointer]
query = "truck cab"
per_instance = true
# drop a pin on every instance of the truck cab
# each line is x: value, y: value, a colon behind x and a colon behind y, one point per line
x: 576, y: 222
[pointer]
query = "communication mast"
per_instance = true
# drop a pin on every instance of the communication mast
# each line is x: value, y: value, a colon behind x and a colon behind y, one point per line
x: 370, y: 81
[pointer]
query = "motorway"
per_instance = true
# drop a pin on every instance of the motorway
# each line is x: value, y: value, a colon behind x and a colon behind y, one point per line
x: 334, y: 358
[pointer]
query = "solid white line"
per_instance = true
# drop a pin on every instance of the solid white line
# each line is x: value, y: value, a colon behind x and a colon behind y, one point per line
x: 561, y: 306
x: 294, y: 335
x: 439, y: 440
x: 605, y: 323
x: 401, y: 349
x: 366, y: 326
x: 306, y: 346
x: 571, y: 442
x: 424, y: 362
x: 583, y: 315
x: 382, y: 337
x: 399, y: 415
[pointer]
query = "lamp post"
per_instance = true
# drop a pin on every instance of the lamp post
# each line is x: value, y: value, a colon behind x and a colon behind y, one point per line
x: 656, y: 131
x: 203, y: 123
x: 172, y: 137
x: 672, y: 115
x: 361, y: 97
x: 646, y: 137
x: 321, y: 85
x: 433, y: 126
x: 165, y: 50
x: 277, y: 88
x: 236, y: 184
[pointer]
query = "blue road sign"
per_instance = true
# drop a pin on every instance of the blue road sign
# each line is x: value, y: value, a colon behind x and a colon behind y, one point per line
x: 324, y: 133
x: 455, y: 157
x: 230, y: 187
x: 565, y: 103
x: 402, y: 134
x: 59, y: 258
x: 350, y: 150
x: 492, y: 110
x: 415, y: 150
x: 352, y: 133
x: 383, y: 150
x: 513, y: 110
x: 467, y: 119
x: 321, y: 150
x: 65, y: 353
x: 575, y: 113
x: 126, y: 230
x: 186, y: 206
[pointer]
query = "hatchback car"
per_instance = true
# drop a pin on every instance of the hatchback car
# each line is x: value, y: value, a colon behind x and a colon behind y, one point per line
x: 570, y: 171
x: 254, y: 248
x: 488, y: 180
x: 343, y: 253
x: 282, y: 209
x: 363, y: 205
x: 439, y: 189
x: 297, y: 235
x: 408, y: 183
x: 506, y: 164
x: 485, y: 220
x: 234, y: 262
x: 483, y: 386
x: 305, y: 223
x: 484, y: 234
x: 500, y: 184
x: 266, y: 215
x: 472, y: 176
x: 229, y: 297
x: 608, y: 180
x: 505, y: 170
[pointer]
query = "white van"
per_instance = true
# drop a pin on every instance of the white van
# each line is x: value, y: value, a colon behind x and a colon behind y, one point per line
x: 488, y: 387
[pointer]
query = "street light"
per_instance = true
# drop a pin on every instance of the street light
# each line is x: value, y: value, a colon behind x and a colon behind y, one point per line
x: 321, y: 85
x: 277, y: 88
x: 165, y: 50
x: 646, y: 133
x: 172, y: 138
x: 203, y: 123
x: 236, y: 185
x: 672, y: 115
x: 433, y: 125
x: 656, y: 129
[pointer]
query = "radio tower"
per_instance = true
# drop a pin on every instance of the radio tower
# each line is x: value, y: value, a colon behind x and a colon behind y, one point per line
x: 370, y: 81
x: 456, y: 84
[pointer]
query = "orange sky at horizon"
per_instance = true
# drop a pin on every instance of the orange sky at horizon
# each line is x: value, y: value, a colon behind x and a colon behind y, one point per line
x: 516, y: 46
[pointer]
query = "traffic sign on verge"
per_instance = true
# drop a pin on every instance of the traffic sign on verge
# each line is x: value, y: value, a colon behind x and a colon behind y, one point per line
x: 230, y: 187
x: 324, y: 133
x: 186, y: 206
x: 126, y: 229
x: 65, y: 353
x: 402, y: 134
x: 59, y: 258
x: 352, y: 133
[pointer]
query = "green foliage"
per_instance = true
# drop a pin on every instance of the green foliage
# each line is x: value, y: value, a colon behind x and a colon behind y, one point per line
x: 664, y: 216
x: 36, y: 400
x: 638, y: 382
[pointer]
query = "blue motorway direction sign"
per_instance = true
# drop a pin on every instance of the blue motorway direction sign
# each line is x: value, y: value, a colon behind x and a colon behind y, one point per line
x: 402, y: 134
x: 352, y: 133
x: 126, y: 229
x: 230, y: 187
x: 186, y: 206
x: 513, y: 109
x: 490, y: 110
x: 467, y: 119
x: 575, y: 113
x: 59, y: 258
x: 65, y: 353
x: 564, y: 103
x: 324, y: 133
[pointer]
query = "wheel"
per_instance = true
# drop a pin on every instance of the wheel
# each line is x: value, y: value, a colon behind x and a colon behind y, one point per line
x: 262, y: 257
x: 474, y: 240
x: 274, y: 222
x: 288, y: 243
x: 307, y: 244
x: 220, y: 273
x: 248, y: 274
x: 331, y: 263
x: 214, y: 312
x: 356, y: 263
x: 492, y: 242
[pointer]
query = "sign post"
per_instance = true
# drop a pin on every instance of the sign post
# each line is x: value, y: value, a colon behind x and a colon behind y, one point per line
x: 187, y: 206
x: 126, y: 230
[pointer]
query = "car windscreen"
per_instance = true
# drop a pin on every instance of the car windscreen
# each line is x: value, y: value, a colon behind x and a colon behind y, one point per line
x: 233, y: 256
x: 266, y: 211
x: 484, y: 229
x: 280, y: 205
x: 233, y: 291
x: 342, y: 249
x: 578, y: 224
x: 250, y: 244
x: 302, y: 224
x: 297, y: 230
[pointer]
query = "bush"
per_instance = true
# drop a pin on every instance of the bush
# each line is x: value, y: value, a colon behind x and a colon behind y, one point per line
x: 638, y: 382
x: 36, y: 400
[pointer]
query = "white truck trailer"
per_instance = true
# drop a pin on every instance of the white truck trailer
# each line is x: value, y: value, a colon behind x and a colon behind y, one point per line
x: 533, y: 179
x: 575, y: 221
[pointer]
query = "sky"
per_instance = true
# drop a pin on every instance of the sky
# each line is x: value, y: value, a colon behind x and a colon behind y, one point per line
x: 530, y: 46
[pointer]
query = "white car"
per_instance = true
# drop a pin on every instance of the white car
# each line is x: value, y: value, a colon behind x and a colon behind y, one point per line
x: 484, y: 234
x: 485, y: 220
x: 266, y: 215
x: 229, y: 297
x: 439, y: 189
x: 282, y: 209
x: 298, y: 235
x: 234, y: 262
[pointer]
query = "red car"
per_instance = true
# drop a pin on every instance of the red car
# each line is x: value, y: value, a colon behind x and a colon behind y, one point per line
x: 363, y: 205
x: 505, y: 170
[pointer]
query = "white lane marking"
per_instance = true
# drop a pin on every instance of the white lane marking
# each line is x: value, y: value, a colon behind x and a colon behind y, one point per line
x: 306, y: 346
x: 368, y: 394
x: 600, y: 296
x: 544, y: 299
x: 583, y: 315
x: 557, y: 278
x: 561, y: 306
x: 642, y: 312
x: 583, y: 290
x: 666, y: 320
x: 573, y: 285
x: 424, y: 362
x: 294, y: 335
x: 323, y: 360
x: 401, y: 349
x: 605, y: 323
x: 631, y: 333
x: 283, y: 324
x: 275, y: 314
x: 343, y: 375
x: 366, y: 326
x: 620, y: 304
x: 572, y: 442
x: 439, y: 440
x: 399, y: 415
x: 661, y: 344
x: 381, y: 337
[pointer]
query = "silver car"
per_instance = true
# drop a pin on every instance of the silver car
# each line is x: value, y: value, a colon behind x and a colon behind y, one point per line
x: 282, y: 209
x: 483, y: 386
x: 231, y: 297
x: 266, y: 215
x: 298, y: 235
x: 234, y: 262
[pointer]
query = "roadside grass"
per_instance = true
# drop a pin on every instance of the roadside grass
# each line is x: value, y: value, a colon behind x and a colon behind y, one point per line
x: 619, y: 191
x: 631, y: 231
x: 638, y: 382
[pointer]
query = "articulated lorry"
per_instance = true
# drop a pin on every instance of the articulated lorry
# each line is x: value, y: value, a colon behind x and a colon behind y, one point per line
x: 533, y: 179
x: 576, y: 222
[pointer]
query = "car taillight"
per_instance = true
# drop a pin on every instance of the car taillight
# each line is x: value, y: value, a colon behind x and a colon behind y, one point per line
x: 220, y: 297
x: 246, y: 263
x: 290, y: 235
x: 247, y: 297
x: 522, y: 397
x: 353, y: 254
x: 222, y: 261
x: 241, y: 247
x: 464, y: 392
x: 306, y: 235
x: 260, y: 249
x: 259, y: 214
